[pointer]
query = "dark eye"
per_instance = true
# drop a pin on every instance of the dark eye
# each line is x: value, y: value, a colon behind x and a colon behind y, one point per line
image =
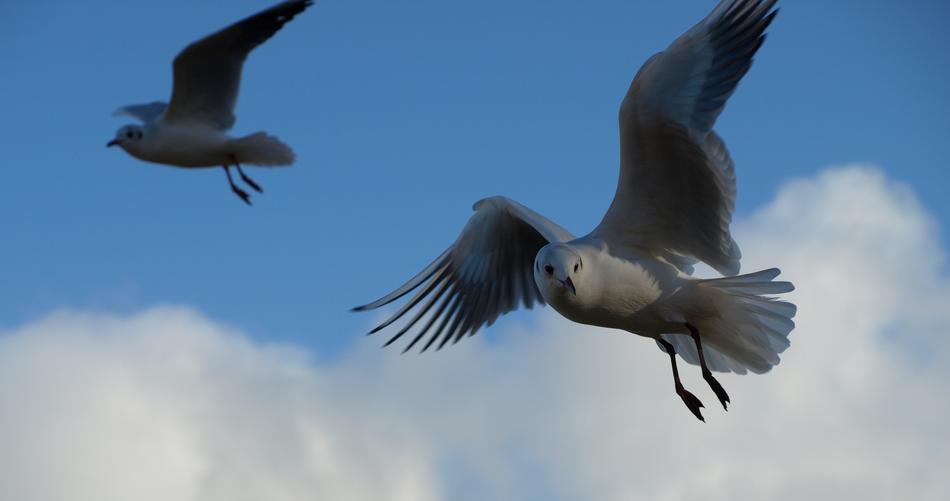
x: 575, y: 267
x: 548, y: 269
x: 128, y: 134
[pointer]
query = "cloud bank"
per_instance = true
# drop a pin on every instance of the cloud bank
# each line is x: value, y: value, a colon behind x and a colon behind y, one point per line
x: 168, y: 405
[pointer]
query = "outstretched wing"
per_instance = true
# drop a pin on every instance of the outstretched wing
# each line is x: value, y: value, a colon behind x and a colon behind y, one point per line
x: 677, y: 185
x: 486, y: 273
x: 146, y: 113
x: 208, y: 72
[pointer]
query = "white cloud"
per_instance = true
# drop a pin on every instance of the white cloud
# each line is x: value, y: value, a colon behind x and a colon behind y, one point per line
x: 168, y: 405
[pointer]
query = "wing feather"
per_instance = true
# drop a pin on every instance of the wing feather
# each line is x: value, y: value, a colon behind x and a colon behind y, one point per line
x: 146, y: 113
x: 486, y: 273
x: 207, y: 73
x: 677, y: 187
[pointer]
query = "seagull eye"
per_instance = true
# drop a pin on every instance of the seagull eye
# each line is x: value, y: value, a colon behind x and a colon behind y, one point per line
x: 548, y: 269
x: 128, y: 134
x: 575, y: 267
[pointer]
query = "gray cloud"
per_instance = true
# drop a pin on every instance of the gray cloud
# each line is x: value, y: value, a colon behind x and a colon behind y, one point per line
x: 169, y: 405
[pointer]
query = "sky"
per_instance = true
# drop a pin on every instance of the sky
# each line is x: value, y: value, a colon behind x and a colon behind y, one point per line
x: 151, y: 322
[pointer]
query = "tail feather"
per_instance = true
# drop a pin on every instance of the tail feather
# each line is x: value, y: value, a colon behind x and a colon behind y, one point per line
x: 746, y: 329
x: 752, y: 284
x: 262, y: 149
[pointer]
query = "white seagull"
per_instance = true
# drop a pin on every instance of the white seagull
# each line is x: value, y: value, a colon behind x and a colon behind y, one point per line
x: 191, y: 131
x: 672, y: 208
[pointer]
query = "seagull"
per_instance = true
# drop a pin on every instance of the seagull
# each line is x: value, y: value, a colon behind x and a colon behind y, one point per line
x: 191, y: 131
x: 672, y: 208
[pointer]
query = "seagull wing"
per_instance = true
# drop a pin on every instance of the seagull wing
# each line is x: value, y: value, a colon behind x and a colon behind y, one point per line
x: 146, y: 113
x: 486, y: 273
x: 208, y: 72
x: 677, y: 185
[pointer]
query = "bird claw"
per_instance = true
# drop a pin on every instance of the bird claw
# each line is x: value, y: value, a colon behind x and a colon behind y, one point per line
x: 242, y: 195
x: 692, y: 403
x: 718, y: 390
x: 250, y: 182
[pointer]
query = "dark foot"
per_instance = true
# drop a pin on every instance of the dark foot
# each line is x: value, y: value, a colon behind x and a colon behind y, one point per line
x: 717, y: 389
x: 250, y: 182
x: 241, y: 194
x: 237, y: 191
x: 692, y: 403
x: 244, y: 177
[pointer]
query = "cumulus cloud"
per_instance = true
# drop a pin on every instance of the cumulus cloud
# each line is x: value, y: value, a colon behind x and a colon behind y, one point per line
x: 166, y: 405
x: 169, y: 405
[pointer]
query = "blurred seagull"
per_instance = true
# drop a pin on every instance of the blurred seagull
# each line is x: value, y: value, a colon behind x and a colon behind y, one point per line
x: 191, y: 131
x: 672, y: 208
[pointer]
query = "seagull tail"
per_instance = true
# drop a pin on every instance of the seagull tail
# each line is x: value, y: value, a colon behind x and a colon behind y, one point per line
x: 262, y: 149
x: 745, y: 327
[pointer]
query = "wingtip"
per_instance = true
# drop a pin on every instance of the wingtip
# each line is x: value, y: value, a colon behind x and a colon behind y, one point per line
x: 374, y: 330
x: 304, y: 4
x: 391, y: 341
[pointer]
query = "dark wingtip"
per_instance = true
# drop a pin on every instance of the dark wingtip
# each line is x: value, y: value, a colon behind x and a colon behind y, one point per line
x: 387, y: 343
x: 769, y: 18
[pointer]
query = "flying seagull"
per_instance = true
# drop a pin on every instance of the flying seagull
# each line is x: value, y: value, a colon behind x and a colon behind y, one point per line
x: 191, y: 131
x: 672, y: 208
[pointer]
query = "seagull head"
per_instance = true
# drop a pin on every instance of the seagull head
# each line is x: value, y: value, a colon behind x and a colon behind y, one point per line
x: 127, y: 137
x: 558, y: 268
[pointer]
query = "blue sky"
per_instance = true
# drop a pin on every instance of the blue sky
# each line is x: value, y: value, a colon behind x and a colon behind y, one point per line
x: 402, y: 114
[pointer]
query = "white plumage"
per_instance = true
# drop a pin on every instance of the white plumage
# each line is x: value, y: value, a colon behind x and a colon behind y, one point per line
x: 673, y: 207
x: 191, y: 130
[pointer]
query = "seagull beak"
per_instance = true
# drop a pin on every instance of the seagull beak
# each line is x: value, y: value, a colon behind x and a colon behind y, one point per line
x: 569, y: 284
x: 112, y: 143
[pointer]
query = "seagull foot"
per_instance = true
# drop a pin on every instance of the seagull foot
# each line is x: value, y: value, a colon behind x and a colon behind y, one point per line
x: 250, y: 182
x: 244, y: 177
x: 717, y: 389
x: 692, y: 403
x: 242, y: 194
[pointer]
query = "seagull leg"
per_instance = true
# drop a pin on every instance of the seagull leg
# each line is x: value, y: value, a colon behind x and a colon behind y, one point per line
x: 707, y: 374
x: 692, y: 403
x: 237, y: 191
x: 250, y: 182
